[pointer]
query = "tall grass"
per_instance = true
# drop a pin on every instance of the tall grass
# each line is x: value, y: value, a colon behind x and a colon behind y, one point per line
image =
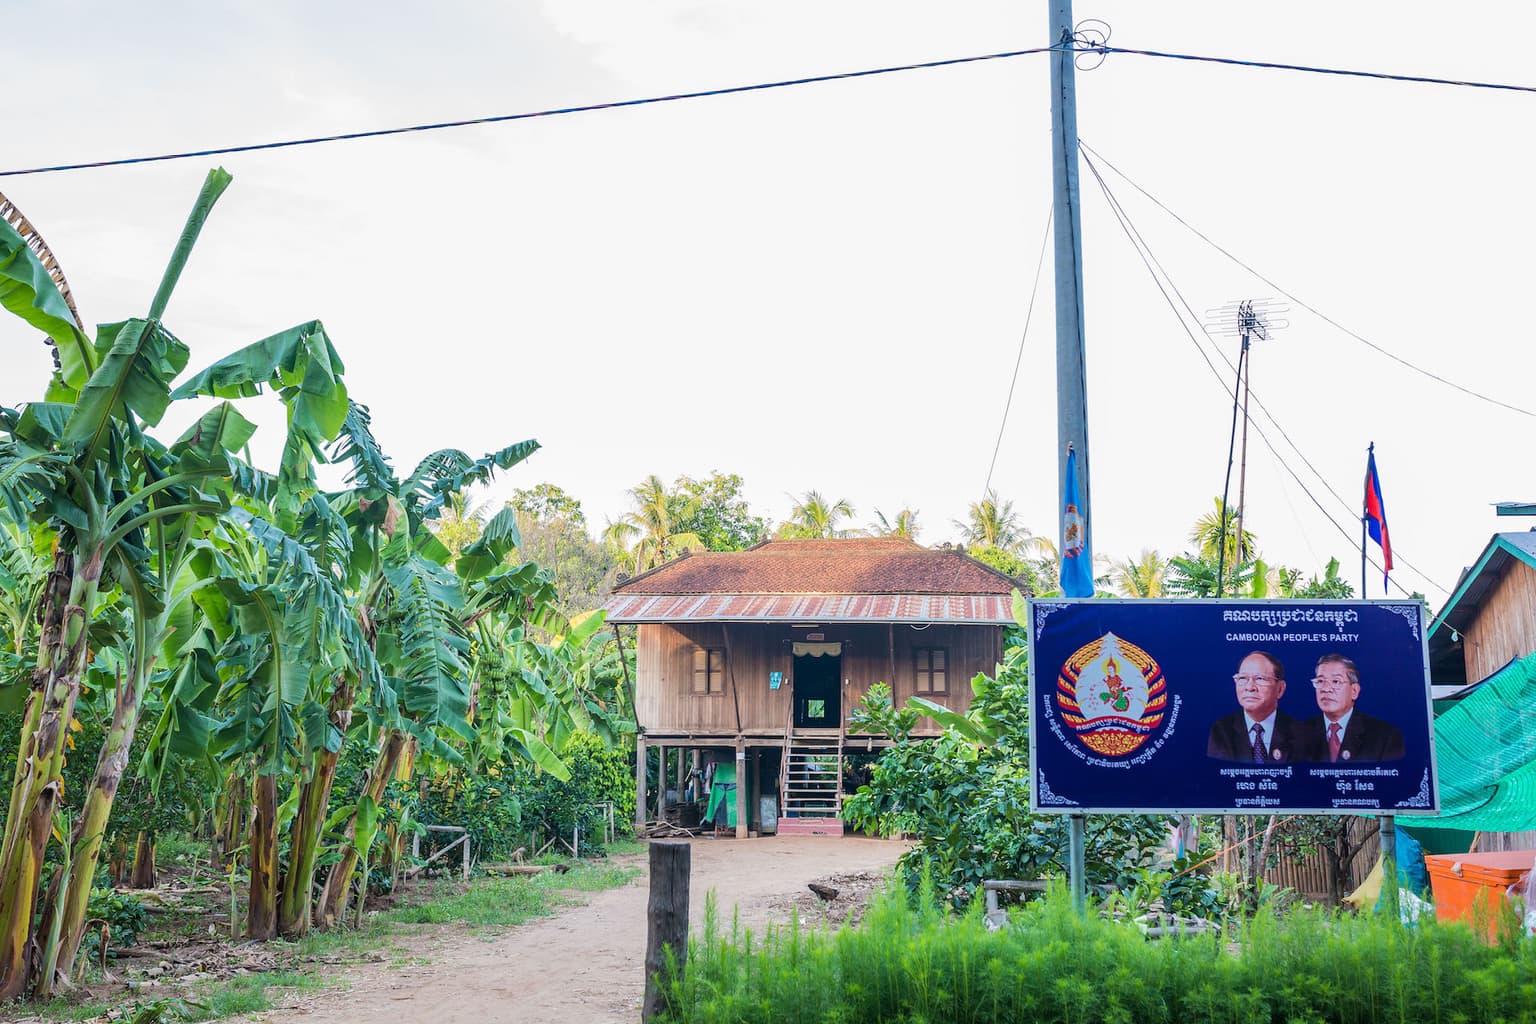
x: 916, y: 965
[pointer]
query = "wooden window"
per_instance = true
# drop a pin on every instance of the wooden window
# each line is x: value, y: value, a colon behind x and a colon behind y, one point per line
x: 708, y: 670
x: 931, y: 662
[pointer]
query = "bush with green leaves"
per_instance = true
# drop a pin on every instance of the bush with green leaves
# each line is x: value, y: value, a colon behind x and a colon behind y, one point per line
x: 511, y: 804
x: 912, y: 962
x: 965, y: 794
x: 124, y: 916
x: 599, y: 775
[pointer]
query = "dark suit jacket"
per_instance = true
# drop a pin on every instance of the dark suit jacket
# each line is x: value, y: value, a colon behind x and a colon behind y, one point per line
x: 1230, y: 740
x: 1367, y: 739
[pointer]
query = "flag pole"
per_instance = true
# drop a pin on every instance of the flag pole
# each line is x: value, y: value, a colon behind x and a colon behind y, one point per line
x: 1365, y: 517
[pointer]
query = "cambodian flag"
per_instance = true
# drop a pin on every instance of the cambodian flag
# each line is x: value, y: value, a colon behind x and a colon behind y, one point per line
x: 1376, y: 514
x: 1076, y: 559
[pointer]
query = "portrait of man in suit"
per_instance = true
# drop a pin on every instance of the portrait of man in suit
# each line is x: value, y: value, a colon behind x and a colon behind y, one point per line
x: 1259, y: 732
x: 1343, y: 733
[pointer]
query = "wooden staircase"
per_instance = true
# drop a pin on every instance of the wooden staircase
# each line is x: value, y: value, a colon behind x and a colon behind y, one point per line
x: 811, y: 784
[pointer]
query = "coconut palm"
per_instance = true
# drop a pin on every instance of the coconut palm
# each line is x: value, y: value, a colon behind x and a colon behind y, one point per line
x: 460, y: 524
x: 1140, y: 577
x: 652, y: 528
x: 993, y: 523
x: 1219, y: 527
x: 813, y: 516
x: 904, y: 525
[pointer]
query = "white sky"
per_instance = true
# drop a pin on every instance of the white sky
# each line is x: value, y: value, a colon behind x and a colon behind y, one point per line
x: 825, y: 287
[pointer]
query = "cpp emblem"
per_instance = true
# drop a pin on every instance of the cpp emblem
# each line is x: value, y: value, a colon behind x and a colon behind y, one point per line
x: 1112, y: 695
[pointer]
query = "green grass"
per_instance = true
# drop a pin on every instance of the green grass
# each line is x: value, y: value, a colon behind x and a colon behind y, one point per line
x: 484, y: 903
x: 504, y: 902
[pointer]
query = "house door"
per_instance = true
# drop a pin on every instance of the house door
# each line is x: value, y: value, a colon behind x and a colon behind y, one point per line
x: 818, y: 691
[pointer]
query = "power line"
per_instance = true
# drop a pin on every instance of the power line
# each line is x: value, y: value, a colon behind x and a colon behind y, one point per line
x: 1137, y: 243
x: 1310, y: 69
x: 1082, y: 48
x: 528, y: 115
x: 1019, y: 361
x: 1303, y: 303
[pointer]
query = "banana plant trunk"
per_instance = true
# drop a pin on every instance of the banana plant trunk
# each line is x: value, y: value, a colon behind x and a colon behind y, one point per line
x: 294, y: 914
x: 261, y: 914
x: 333, y: 901
x: 68, y: 902
x: 144, y: 862
x: 229, y: 811
x: 61, y: 662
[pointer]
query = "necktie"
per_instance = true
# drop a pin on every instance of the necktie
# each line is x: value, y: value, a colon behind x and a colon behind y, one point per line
x: 1258, y: 744
x: 1333, y: 741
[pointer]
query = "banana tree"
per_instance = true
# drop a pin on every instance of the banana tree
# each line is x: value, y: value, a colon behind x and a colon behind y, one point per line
x: 420, y: 614
x: 77, y: 464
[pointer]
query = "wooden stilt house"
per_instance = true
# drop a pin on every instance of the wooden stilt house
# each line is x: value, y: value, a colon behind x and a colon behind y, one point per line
x: 756, y: 658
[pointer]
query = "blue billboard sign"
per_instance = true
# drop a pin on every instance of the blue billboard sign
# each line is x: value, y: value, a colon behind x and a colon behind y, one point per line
x: 1239, y: 707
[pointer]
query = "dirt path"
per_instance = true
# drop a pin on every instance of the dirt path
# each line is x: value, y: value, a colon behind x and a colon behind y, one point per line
x: 584, y: 965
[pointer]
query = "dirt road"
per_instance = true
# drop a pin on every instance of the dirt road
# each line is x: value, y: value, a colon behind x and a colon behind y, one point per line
x: 584, y: 965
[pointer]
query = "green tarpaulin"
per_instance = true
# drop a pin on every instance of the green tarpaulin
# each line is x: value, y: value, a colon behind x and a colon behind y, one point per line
x: 1485, y: 748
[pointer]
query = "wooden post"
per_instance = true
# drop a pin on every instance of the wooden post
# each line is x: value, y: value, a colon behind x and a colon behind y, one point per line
x: 682, y: 772
x: 640, y: 786
x: 757, y: 778
x: 667, y: 917
x: 466, y: 856
x: 661, y: 784
x: 741, y: 789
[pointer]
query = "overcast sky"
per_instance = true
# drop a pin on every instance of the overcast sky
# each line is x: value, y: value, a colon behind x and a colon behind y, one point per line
x: 826, y: 287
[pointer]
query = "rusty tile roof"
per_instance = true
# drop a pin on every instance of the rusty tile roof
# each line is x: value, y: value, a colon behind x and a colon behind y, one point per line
x: 989, y: 609
x: 863, y: 579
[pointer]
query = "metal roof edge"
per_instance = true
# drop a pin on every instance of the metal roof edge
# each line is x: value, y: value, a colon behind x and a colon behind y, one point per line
x: 1496, y: 544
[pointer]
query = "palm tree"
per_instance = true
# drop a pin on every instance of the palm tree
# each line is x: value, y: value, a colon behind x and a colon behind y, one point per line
x: 813, y: 516
x: 904, y: 525
x: 651, y: 528
x: 460, y: 524
x: 993, y: 523
x: 1210, y: 529
x: 1142, y: 577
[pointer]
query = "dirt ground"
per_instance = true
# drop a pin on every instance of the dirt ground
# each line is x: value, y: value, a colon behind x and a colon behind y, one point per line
x: 585, y: 965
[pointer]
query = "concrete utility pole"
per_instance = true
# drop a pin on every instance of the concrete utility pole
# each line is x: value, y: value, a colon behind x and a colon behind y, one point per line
x: 1071, y: 364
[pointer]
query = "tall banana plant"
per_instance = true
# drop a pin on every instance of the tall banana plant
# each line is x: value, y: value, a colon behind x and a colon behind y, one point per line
x: 128, y: 513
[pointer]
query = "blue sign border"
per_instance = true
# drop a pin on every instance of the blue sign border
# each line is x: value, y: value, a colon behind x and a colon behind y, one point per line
x: 1193, y: 648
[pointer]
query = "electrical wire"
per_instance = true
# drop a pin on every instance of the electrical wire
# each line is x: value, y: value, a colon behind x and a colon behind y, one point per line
x: 1140, y: 242
x: 1302, y: 303
x: 1310, y: 69
x: 1019, y: 361
x: 528, y: 115
x: 1082, y: 46
x: 1137, y: 243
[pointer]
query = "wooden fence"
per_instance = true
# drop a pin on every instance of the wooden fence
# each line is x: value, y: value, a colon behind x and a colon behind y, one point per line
x: 1309, y: 875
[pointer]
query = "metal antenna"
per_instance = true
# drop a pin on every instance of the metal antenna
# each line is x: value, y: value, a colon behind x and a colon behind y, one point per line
x: 1246, y: 320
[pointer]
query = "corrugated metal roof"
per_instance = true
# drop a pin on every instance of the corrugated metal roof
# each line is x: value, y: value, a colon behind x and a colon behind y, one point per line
x: 989, y: 609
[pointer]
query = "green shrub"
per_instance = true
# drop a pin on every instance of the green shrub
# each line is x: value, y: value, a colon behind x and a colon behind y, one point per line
x: 124, y: 915
x: 911, y: 962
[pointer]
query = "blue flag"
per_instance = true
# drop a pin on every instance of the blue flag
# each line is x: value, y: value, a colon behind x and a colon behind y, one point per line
x: 1076, y: 567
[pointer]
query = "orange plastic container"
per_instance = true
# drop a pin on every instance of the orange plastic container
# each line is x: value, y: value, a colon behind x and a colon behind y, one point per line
x: 1457, y: 879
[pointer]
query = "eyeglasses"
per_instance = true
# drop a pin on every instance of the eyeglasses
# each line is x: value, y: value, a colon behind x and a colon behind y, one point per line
x: 1243, y: 679
x: 1331, y: 684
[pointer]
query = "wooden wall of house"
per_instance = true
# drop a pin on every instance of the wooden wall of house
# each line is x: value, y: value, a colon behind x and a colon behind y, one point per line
x: 1505, y: 627
x: 667, y: 707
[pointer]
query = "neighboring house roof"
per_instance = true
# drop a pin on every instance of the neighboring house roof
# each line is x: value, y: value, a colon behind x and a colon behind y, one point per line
x: 862, y: 580
x: 1503, y: 551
